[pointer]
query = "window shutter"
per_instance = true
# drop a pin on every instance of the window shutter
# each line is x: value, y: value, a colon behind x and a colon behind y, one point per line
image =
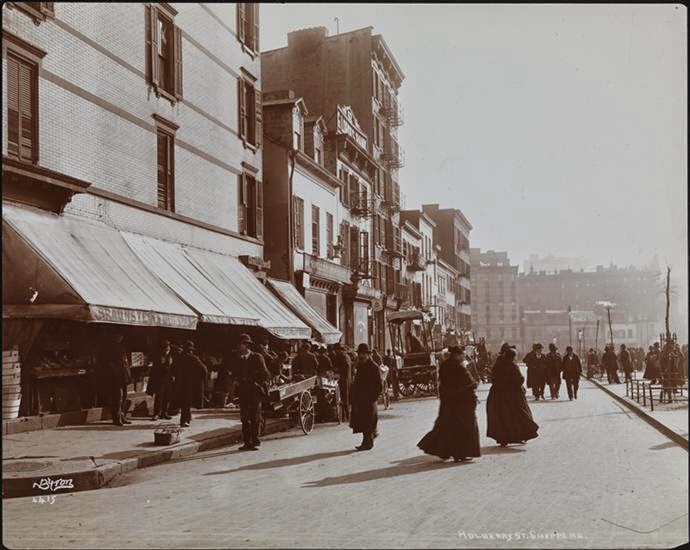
x: 242, y: 204
x: 27, y: 137
x: 259, y: 210
x: 171, y: 173
x: 241, y: 17
x: 152, y: 43
x: 364, y: 251
x: 12, y: 106
x: 258, y: 128
x: 354, y: 248
x: 255, y: 45
x: 177, y: 57
x: 241, y: 100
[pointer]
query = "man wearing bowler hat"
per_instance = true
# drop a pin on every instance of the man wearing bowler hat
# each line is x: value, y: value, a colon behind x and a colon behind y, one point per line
x: 364, y: 396
x: 252, y: 377
x: 190, y: 378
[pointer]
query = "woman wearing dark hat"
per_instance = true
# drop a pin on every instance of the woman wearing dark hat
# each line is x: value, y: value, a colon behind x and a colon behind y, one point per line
x: 364, y: 396
x: 455, y: 431
x: 509, y: 419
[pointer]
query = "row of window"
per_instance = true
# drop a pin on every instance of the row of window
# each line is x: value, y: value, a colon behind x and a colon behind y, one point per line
x: 299, y: 228
x: 165, y: 75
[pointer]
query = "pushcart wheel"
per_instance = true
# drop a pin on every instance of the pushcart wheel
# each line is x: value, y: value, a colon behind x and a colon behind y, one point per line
x: 306, y: 412
x: 406, y: 389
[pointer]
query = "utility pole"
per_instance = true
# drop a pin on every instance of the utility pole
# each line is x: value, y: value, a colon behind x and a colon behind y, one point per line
x: 596, y: 338
x: 608, y: 312
x: 570, y: 326
x: 337, y: 25
x: 668, y: 303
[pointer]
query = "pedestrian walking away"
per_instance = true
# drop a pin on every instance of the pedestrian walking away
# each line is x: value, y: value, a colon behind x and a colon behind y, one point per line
x: 305, y: 364
x: 162, y: 381
x: 190, y: 380
x: 572, y: 370
x: 610, y: 362
x: 536, y: 371
x: 364, y: 396
x: 455, y: 432
x: 251, y: 376
x: 592, y: 363
x: 625, y: 361
x: 554, y: 363
x: 509, y: 419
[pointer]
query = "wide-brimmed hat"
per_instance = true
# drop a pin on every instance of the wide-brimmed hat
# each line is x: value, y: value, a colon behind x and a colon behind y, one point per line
x: 506, y: 346
x: 245, y: 338
x: 456, y: 349
x: 363, y: 348
x: 538, y: 346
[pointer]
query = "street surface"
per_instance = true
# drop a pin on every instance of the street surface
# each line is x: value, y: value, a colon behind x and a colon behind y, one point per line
x: 597, y: 475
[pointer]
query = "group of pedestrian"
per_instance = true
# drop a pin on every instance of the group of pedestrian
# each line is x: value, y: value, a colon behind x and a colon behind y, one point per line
x: 456, y: 432
x: 551, y: 368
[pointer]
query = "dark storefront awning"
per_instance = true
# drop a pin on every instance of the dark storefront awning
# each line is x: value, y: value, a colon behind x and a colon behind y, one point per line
x: 65, y: 267
x: 218, y: 287
x: 327, y: 333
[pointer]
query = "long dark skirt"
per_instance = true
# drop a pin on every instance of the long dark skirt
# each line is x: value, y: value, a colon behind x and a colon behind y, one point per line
x: 509, y: 419
x: 364, y: 417
x: 455, y: 432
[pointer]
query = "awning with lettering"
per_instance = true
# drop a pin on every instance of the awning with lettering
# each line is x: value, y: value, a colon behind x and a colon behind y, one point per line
x: 68, y: 267
x: 324, y: 330
x: 217, y: 286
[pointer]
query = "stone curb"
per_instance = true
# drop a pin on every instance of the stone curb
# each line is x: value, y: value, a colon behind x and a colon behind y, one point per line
x: 100, y: 475
x: 668, y: 432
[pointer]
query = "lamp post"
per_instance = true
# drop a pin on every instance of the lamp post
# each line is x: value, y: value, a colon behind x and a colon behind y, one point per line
x: 570, y: 326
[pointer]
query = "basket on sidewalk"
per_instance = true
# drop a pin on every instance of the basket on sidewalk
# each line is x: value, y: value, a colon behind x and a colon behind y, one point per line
x: 166, y: 434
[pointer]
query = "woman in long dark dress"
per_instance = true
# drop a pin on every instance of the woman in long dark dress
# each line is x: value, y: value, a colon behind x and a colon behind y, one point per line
x: 455, y: 431
x: 509, y: 419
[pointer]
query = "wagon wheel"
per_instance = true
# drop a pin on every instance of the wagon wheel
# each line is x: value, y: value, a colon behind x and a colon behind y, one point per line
x: 406, y: 388
x: 306, y: 412
x: 337, y: 406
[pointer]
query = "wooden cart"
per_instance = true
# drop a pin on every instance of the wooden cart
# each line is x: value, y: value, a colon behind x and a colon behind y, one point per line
x: 303, y: 401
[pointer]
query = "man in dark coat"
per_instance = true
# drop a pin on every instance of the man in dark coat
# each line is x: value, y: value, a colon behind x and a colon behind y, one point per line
x: 364, y: 396
x: 162, y: 381
x: 536, y: 371
x: 190, y: 378
x: 114, y: 361
x: 324, y: 361
x: 554, y: 363
x: 343, y: 368
x: 610, y: 363
x: 455, y: 431
x: 572, y: 369
x: 252, y: 377
x: 626, y: 362
x: 305, y: 363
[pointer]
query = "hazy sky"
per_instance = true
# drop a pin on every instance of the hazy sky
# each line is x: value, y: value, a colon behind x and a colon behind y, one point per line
x: 554, y: 128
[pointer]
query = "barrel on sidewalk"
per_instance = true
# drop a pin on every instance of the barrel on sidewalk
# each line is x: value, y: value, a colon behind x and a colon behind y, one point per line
x: 11, y: 383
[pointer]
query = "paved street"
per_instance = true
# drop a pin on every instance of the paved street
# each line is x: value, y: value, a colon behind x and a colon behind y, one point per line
x: 596, y: 474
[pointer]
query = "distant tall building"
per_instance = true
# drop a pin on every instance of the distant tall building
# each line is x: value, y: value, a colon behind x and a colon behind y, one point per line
x: 535, y: 262
x: 495, y: 313
x: 352, y: 81
x: 452, y: 235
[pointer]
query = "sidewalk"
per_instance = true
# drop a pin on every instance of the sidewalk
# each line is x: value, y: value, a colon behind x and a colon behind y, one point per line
x: 91, y: 455
x: 669, y: 418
